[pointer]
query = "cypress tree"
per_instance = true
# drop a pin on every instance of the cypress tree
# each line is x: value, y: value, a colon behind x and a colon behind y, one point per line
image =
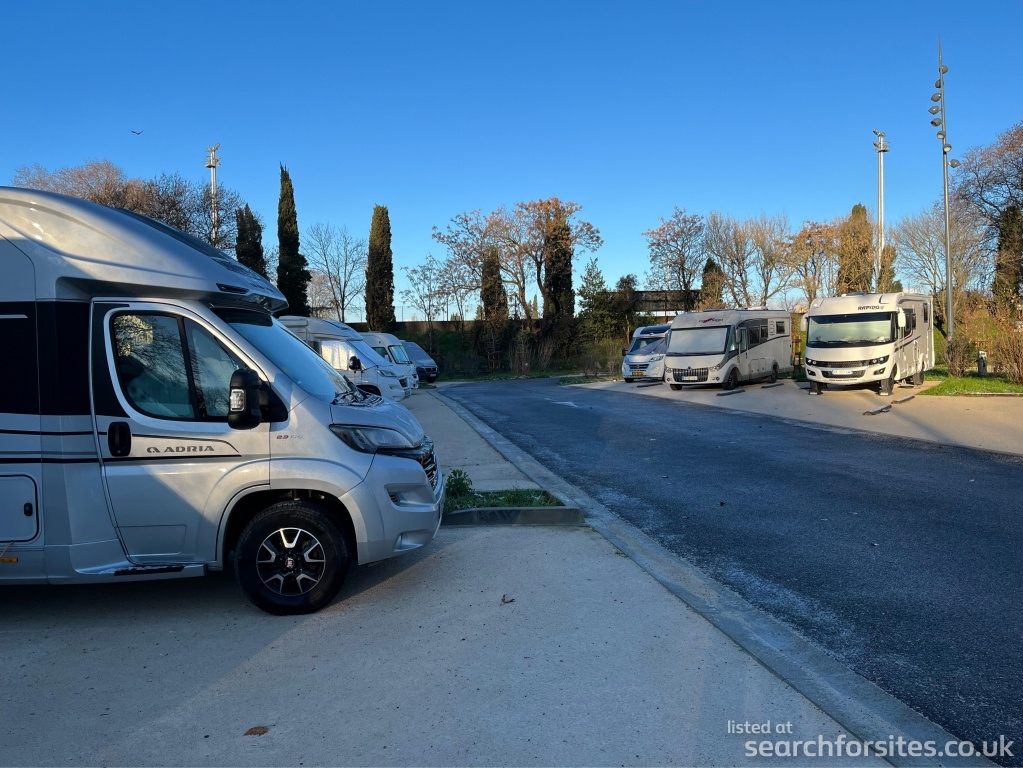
x: 380, y: 273
x: 855, y: 257
x: 1009, y: 259
x: 713, y: 286
x: 559, y: 298
x: 249, y: 244
x: 293, y: 274
x: 493, y: 299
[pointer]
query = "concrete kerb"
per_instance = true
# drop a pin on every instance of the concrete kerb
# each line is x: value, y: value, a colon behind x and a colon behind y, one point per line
x: 859, y: 706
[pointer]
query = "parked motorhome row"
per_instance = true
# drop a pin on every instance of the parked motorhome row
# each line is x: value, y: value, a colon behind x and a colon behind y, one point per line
x: 864, y: 338
x: 162, y: 423
x: 728, y: 346
x: 347, y: 352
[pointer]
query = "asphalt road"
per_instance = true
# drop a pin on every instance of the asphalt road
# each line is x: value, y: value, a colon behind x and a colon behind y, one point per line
x: 903, y: 559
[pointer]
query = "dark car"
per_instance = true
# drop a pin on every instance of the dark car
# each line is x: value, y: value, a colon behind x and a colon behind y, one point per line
x: 426, y: 366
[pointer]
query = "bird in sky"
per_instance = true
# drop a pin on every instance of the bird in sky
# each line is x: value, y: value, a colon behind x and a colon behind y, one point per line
x: 137, y: 133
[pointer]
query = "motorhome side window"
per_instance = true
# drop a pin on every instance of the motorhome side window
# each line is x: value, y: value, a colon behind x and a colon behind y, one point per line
x: 910, y: 321
x: 779, y: 327
x: 157, y: 378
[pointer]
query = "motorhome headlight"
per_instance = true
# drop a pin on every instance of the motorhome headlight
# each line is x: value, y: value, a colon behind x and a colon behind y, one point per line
x: 656, y: 358
x: 878, y: 360
x: 371, y: 439
x: 811, y: 362
x: 717, y: 367
x: 388, y: 374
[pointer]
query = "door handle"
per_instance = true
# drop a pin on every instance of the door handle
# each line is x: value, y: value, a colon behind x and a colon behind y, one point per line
x: 119, y: 438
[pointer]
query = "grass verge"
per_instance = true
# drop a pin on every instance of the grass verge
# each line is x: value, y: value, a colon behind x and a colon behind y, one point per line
x: 461, y: 495
x: 970, y: 384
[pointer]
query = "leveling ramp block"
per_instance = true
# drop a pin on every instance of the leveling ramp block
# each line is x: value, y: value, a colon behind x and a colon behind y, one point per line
x: 735, y: 391
x: 775, y: 384
x: 905, y: 399
x: 875, y: 411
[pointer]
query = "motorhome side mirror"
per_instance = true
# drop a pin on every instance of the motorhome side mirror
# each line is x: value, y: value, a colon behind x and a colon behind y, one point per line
x: 354, y: 363
x: 624, y: 352
x: 902, y: 319
x: 243, y: 412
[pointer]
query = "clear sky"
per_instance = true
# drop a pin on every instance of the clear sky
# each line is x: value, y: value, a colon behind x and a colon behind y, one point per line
x: 434, y: 108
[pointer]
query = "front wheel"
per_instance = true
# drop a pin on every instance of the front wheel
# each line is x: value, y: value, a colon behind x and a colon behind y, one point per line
x: 888, y: 385
x: 675, y: 387
x: 629, y: 380
x: 774, y: 374
x: 291, y: 558
x: 732, y: 381
x: 815, y: 388
x: 918, y: 378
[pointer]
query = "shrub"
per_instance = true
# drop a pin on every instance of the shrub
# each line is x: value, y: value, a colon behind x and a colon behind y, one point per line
x: 960, y: 353
x: 1007, y: 348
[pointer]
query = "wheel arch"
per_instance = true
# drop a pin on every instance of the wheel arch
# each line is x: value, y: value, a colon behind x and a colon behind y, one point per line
x: 250, y: 505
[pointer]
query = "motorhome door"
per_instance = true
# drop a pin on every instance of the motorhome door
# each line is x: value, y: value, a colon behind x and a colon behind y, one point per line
x: 160, y: 388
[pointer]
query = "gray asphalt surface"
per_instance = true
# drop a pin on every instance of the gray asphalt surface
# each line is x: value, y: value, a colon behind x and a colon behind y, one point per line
x: 899, y: 557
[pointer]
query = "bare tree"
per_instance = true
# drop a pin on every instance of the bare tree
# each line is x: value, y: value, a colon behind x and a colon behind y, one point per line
x: 813, y: 261
x: 772, y: 271
x: 423, y: 292
x: 990, y: 179
x: 340, y: 258
x: 457, y: 284
x: 677, y: 255
x: 730, y: 243
x: 921, y: 243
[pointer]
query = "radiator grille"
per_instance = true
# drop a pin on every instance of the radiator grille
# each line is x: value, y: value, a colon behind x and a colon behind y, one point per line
x: 689, y: 375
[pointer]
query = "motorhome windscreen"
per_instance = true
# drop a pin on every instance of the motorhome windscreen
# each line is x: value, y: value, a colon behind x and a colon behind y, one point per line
x: 697, y: 341
x: 367, y: 355
x: 854, y: 330
x: 289, y: 353
x: 643, y: 344
x: 399, y: 354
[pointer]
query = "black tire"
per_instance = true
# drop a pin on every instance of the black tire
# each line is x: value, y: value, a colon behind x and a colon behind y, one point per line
x: 732, y: 381
x: 291, y: 559
x: 815, y: 388
x: 887, y: 386
x: 918, y: 378
x: 774, y: 374
x: 675, y: 387
x: 628, y: 380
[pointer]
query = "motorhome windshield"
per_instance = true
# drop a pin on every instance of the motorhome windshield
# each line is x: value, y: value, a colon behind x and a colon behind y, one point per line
x: 398, y: 351
x: 643, y: 344
x: 289, y: 353
x: 367, y: 355
x: 698, y: 341
x: 849, y: 330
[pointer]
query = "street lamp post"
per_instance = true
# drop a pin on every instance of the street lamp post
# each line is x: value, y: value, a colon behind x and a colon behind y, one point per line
x: 940, y: 122
x: 880, y: 146
x: 212, y: 162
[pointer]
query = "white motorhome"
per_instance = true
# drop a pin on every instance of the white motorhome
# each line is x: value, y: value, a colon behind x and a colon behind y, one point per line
x: 728, y: 346
x: 157, y: 422
x: 864, y: 338
x: 644, y: 359
x: 390, y: 348
x: 346, y: 351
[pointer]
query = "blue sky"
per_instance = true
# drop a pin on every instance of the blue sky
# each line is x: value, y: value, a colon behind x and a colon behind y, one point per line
x: 437, y: 108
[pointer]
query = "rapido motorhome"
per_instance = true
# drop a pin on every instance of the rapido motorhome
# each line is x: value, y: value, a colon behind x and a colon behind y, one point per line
x: 860, y: 338
x: 727, y: 346
x: 155, y: 418
x: 343, y: 347
x: 644, y: 359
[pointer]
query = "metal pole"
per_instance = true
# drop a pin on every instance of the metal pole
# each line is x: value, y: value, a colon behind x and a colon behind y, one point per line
x: 881, y: 146
x: 945, y: 149
x: 212, y: 164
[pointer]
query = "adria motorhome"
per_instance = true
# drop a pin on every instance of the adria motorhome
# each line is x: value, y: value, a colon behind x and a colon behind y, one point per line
x: 728, y: 346
x: 869, y: 338
x: 644, y: 359
x: 346, y: 351
x: 157, y: 422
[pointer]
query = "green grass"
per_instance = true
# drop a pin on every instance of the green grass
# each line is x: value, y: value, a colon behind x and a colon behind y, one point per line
x: 970, y: 384
x: 461, y: 495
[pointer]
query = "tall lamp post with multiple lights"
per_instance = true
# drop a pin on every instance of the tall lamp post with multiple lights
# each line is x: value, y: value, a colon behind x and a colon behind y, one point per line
x: 880, y: 146
x: 940, y: 122
x: 212, y: 162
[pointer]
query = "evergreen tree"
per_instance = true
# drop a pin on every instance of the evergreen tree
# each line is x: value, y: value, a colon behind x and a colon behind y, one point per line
x: 855, y: 252
x: 886, y: 281
x: 1009, y: 260
x: 380, y: 273
x: 595, y: 310
x: 713, y: 286
x: 249, y: 245
x: 293, y: 274
x: 559, y: 298
x: 493, y: 299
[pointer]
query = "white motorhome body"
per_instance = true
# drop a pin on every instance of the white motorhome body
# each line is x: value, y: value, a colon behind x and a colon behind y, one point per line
x: 728, y: 346
x: 390, y: 348
x: 644, y: 359
x: 155, y: 418
x: 346, y: 351
x: 862, y: 338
